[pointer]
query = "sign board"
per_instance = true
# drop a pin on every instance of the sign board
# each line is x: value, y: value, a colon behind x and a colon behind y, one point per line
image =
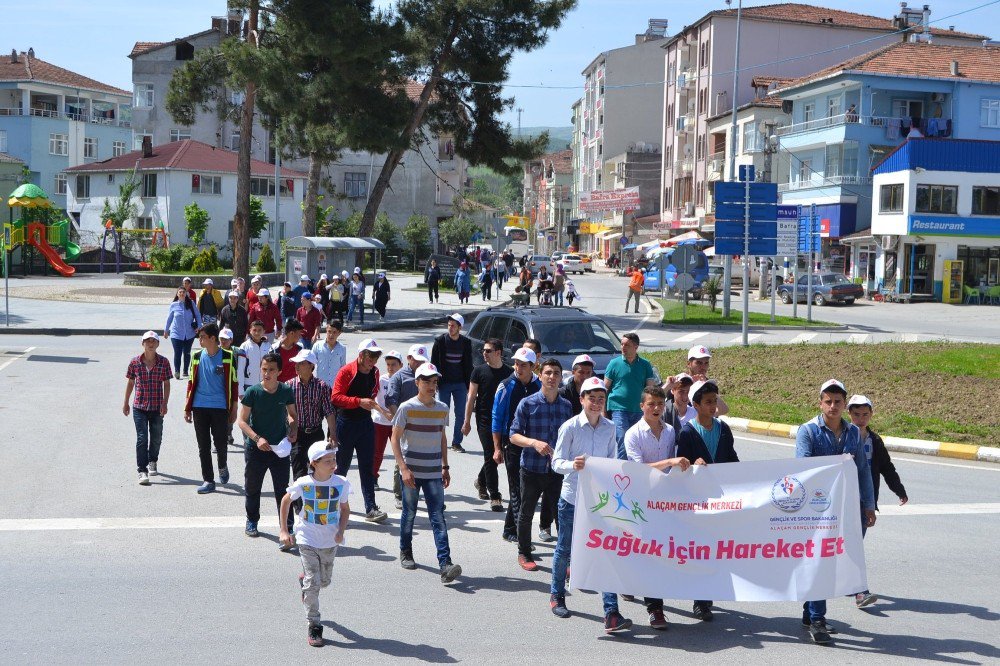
x: 788, y: 231
x: 447, y: 265
x: 747, y: 173
x: 624, y: 240
x: 736, y: 211
x: 610, y: 200
x: 808, y: 232
x: 760, y: 193
x: 684, y: 282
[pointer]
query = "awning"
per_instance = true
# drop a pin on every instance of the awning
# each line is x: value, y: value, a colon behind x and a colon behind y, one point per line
x: 329, y: 243
x: 689, y: 236
x: 608, y: 235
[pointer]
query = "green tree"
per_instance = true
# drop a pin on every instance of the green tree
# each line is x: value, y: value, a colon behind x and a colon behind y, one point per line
x: 457, y: 231
x: 265, y: 260
x: 196, y: 219
x: 124, y: 208
x: 258, y: 218
x: 387, y: 232
x: 417, y: 233
x: 337, y: 227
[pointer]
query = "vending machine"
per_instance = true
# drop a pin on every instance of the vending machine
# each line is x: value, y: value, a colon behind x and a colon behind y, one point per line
x: 952, y: 286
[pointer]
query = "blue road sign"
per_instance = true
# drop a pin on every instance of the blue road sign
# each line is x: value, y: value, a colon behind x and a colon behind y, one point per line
x: 737, y: 210
x: 747, y: 173
x: 760, y: 193
x: 809, y: 239
x: 625, y: 240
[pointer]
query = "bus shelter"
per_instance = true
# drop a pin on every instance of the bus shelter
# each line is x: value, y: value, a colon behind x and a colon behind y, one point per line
x: 315, y: 255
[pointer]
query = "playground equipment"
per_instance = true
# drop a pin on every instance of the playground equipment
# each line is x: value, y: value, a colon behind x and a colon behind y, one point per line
x: 159, y: 237
x: 111, y: 241
x: 30, y: 229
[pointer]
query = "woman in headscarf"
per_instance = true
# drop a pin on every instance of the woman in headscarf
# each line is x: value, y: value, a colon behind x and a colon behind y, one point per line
x: 559, y: 284
x: 380, y: 294
x: 463, y: 282
x: 324, y: 295
x: 183, y: 322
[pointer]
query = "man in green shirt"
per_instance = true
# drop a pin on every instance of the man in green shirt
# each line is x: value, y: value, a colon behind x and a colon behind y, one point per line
x: 626, y: 377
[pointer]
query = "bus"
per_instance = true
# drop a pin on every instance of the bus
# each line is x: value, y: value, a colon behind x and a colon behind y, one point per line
x: 517, y: 240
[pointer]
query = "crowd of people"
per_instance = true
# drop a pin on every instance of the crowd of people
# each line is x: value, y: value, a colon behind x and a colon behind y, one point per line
x: 305, y: 412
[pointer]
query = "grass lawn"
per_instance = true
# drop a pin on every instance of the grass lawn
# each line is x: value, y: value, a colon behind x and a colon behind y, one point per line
x: 702, y: 315
x: 935, y: 391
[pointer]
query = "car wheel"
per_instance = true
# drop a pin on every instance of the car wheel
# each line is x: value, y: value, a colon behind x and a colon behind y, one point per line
x: 786, y: 297
x: 849, y: 301
x: 818, y: 299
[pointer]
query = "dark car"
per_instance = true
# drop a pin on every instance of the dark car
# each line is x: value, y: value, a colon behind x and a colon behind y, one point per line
x: 564, y: 332
x: 826, y: 288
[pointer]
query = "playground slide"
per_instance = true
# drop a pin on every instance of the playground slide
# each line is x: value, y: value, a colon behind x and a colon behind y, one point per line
x: 51, y: 255
x: 72, y: 251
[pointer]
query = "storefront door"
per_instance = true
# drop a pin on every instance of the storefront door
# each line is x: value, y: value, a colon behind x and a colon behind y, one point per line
x: 918, y: 269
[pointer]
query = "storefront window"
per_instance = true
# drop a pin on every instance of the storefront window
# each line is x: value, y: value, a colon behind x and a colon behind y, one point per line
x: 986, y: 200
x: 977, y: 263
x: 891, y: 198
x: 937, y: 199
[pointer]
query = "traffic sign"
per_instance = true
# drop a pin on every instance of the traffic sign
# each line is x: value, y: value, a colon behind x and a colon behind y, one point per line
x: 809, y: 232
x: 747, y: 173
x: 624, y: 240
x: 684, y: 282
x: 733, y: 192
x: 736, y: 210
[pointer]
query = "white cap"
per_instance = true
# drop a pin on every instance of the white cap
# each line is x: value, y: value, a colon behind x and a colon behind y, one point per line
x: 682, y: 376
x: 458, y: 319
x: 282, y: 448
x: 257, y: 278
x: 263, y: 292
x: 697, y: 386
x: 832, y: 383
x: 324, y: 276
x: 343, y: 273
x: 304, y: 355
x: 859, y: 399
x: 186, y: 279
x: 226, y: 334
x: 317, y: 305
x: 233, y: 294
x: 303, y: 278
x: 368, y: 344
x: 357, y: 270
x: 208, y: 281
x: 525, y: 355
x: 234, y: 282
x: 699, y: 351
x: 582, y: 358
x: 318, y: 450
x: 593, y: 384
x: 150, y: 335
x: 418, y: 353
x: 427, y: 370
x: 392, y: 353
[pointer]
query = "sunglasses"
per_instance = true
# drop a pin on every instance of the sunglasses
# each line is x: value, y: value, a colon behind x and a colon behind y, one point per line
x: 489, y: 351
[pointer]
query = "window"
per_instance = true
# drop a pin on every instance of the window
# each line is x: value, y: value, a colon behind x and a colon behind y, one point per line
x: 149, y: 185
x: 183, y: 51
x: 117, y: 148
x: 833, y: 106
x: 58, y: 144
x: 986, y: 200
x: 82, y: 187
x: 144, y: 95
x: 749, y: 137
x: 264, y: 187
x: 90, y: 148
x: 805, y: 171
x: 891, y: 198
x: 206, y: 184
x: 356, y: 184
x: 908, y: 108
x: 137, y: 140
x: 234, y: 141
x: 60, y: 183
x: 144, y: 222
x: 808, y: 112
x: 111, y: 179
x: 936, y: 199
x: 180, y: 134
x: 989, y: 113
x: 3, y: 141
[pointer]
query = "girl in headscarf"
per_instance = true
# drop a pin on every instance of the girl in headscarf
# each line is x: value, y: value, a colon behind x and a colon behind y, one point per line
x: 463, y: 282
x: 559, y: 284
x: 380, y: 294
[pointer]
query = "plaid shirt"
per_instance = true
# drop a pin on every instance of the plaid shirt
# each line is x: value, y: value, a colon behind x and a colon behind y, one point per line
x: 312, y: 401
x: 537, y: 418
x: 148, y: 395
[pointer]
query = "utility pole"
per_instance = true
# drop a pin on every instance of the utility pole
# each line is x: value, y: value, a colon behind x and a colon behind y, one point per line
x: 727, y: 277
x: 519, y: 112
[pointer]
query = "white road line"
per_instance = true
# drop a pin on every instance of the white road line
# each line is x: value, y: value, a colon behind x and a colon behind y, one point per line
x: 738, y: 340
x: 858, y: 338
x: 894, y: 509
x: 911, y: 337
x: 18, y: 357
x: 690, y: 337
x: 802, y: 337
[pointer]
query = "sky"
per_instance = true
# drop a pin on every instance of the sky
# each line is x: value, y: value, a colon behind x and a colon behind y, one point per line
x: 94, y: 38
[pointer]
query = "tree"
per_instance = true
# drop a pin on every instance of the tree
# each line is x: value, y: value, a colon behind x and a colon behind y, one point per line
x: 457, y: 231
x: 460, y: 51
x: 258, y: 218
x: 338, y: 227
x: 387, y: 232
x: 196, y: 219
x: 265, y: 260
x: 417, y: 233
x: 124, y: 207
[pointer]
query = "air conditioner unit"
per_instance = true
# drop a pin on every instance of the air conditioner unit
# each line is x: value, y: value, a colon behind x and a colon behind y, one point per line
x: 638, y: 147
x: 937, y: 97
x: 889, y: 243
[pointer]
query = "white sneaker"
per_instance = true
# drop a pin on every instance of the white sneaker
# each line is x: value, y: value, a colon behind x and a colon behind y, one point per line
x: 152, y: 469
x: 143, y: 479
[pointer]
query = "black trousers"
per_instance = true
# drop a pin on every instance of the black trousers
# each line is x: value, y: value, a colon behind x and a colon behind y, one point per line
x: 534, y: 486
x: 211, y: 425
x: 488, y: 476
x: 432, y: 291
x: 259, y: 463
x: 512, y: 461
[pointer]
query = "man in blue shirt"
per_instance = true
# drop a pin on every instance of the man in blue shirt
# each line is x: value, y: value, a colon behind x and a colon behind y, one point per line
x: 830, y: 434
x: 535, y: 429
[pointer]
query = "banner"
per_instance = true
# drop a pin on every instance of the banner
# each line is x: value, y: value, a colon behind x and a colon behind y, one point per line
x: 775, y: 530
x: 609, y: 200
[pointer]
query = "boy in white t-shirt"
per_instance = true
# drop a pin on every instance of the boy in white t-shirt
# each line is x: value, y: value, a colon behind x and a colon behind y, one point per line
x: 319, y: 528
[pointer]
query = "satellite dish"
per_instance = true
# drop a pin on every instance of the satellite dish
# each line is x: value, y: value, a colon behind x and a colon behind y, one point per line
x: 762, y: 127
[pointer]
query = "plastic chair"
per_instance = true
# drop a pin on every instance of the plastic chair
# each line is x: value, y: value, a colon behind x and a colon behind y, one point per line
x: 994, y: 294
x: 971, y: 293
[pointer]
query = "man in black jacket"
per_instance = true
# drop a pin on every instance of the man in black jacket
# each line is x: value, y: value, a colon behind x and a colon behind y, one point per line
x: 234, y: 317
x: 583, y: 369
x: 452, y: 354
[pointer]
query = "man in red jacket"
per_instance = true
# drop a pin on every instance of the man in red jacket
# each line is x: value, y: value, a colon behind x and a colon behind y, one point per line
x: 266, y: 311
x: 354, y: 392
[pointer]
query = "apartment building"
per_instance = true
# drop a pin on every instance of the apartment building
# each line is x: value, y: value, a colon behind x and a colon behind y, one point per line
x: 548, y: 198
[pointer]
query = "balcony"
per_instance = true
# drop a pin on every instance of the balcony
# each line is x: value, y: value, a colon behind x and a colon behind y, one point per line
x: 685, y: 123
x: 716, y: 163
x: 51, y: 113
x: 818, y: 181
x: 684, y: 167
x: 891, y: 125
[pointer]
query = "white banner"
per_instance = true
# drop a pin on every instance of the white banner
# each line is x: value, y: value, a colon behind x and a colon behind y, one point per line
x: 750, y: 531
x: 610, y: 200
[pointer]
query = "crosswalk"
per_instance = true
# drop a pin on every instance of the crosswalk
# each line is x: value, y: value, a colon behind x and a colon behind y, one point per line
x: 664, y: 338
x: 802, y: 338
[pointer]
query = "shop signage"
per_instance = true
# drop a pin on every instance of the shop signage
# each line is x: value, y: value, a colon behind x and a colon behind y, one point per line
x: 950, y: 225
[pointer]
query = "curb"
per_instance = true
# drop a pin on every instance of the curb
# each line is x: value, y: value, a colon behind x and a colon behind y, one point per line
x: 753, y: 327
x: 898, y: 444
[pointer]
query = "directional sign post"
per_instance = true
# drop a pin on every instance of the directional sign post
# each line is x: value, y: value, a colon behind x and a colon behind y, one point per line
x: 809, y: 242
x: 788, y: 246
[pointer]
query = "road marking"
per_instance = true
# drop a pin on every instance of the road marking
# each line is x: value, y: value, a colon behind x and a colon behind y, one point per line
x: 19, y: 356
x: 802, y: 337
x: 857, y: 338
x: 690, y: 337
x: 938, y: 509
x: 738, y: 340
x: 911, y: 337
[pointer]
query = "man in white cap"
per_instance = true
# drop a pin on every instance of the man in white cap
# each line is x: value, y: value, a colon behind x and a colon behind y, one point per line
x: 302, y: 288
x: 485, y: 380
x: 313, y: 406
x: 354, y: 393
x: 402, y: 387
x: 452, y: 354
x: 267, y: 313
x: 256, y: 284
x: 583, y: 369
x: 234, y: 317
x: 383, y: 417
x: 189, y: 285
x: 149, y: 375
x: 209, y: 302
x: 331, y: 354
x: 698, y: 361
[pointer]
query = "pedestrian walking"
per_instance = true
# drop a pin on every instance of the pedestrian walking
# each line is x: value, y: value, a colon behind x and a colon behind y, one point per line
x: 267, y: 313
x: 452, y: 354
x: 323, y: 291
x: 288, y: 347
x: 235, y: 317
x: 189, y: 288
x: 420, y: 444
x: 183, y: 322
x: 149, y: 376
x: 256, y: 284
x: 383, y: 418
x: 209, y: 302
x: 483, y: 384
x: 380, y: 295
x: 432, y: 277
x: 402, y: 387
x: 226, y: 342
x: 625, y: 378
x: 635, y: 287
x: 319, y: 528
x: 679, y: 410
x: 253, y: 348
x: 559, y: 285
x: 463, y: 282
x: 303, y: 287
x: 287, y: 303
x: 357, y: 291
x: 699, y: 359
x: 312, y: 408
x: 571, y: 293
x: 486, y: 278
x: 331, y: 354
x: 311, y: 318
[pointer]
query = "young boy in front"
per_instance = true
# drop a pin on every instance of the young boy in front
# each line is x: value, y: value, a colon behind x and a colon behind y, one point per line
x: 319, y: 527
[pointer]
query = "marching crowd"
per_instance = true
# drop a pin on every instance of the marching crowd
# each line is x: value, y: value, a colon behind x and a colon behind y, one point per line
x: 281, y: 391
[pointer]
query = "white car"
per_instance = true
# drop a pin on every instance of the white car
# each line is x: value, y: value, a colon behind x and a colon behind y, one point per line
x: 572, y: 263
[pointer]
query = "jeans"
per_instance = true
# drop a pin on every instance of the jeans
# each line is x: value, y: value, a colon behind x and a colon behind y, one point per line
x: 433, y: 294
x: 182, y: 348
x: 211, y: 426
x: 560, y: 560
x: 488, y: 477
x: 382, y: 434
x: 816, y: 610
x: 533, y: 486
x: 559, y: 297
x: 359, y: 303
x: 317, y: 569
x: 460, y: 392
x: 259, y: 463
x: 358, y: 435
x: 148, y: 435
x: 434, y: 499
x: 487, y: 290
x: 633, y: 294
x: 623, y: 421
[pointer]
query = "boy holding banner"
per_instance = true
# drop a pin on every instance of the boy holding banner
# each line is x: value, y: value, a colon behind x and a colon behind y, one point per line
x: 586, y: 434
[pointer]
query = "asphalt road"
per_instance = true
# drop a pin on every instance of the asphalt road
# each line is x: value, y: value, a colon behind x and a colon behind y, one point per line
x: 97, y: 569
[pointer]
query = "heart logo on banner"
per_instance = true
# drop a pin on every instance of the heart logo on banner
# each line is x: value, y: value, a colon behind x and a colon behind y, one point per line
x: 622, y: 481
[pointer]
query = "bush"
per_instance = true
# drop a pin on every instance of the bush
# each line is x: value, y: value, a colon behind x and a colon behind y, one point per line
x: 265, y: 260
x: 207, y: 261
x: 188, y: 254
x: 166, y: 260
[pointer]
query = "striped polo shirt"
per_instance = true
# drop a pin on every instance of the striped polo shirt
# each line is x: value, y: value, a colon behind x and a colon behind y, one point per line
x: 421, y: 441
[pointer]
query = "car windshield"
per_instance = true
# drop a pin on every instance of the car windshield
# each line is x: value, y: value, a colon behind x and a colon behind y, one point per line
x: 572, y: 257
x: 540, y: 258
x: 576, y: 337
x: 835, y: 279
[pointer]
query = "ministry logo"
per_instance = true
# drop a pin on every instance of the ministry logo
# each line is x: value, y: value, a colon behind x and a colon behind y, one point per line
x: 788, y: 494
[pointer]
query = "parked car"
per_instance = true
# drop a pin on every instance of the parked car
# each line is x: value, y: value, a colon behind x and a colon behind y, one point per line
x: 536, y: 261
x: 564, y: 332
x: 572, y: 263
x: 588, y: 262
x: 826, y: 288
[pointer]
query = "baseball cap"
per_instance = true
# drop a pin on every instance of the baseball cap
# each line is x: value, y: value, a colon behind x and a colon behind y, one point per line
x: 392, y: 353
x: 282, y: 448
x: 257, y: 278
x: 318, y: 450
x: 186, y: 279
x: 263, y: 292
x: 303, y: 278
x: 208, y: 281
x: 233, y: 294
x: 698, y: 386
x: 226, y: 334
x: 859, y: 400
x: 288, y: 284
x: 324, y: 276
x: 458, y: 319
x: 525, y: 355
x: 582, y: 358
x: 234, y: 282
x: 304, y: 355
x: 306, y: 294
x: 369, y: 345
x: 150, y: 335
x: 418, y: 352
x: 427, y: 370
x: 684, y: 377
x: 593, y: 384
x: 699, y: 351
x: 835, y: 385
x: 357, y: 270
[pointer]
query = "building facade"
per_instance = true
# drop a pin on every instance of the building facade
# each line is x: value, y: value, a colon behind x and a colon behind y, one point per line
x: 548, y: 199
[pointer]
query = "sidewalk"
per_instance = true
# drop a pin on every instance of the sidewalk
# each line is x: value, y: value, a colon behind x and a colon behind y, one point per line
x: 101, y: 305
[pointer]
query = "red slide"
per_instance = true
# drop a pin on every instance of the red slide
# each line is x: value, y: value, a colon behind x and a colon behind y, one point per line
x: 36, y: 236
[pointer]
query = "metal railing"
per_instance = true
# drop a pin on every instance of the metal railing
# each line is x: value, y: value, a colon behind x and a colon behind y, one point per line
x: 853, y: 118
x: 818, y: 181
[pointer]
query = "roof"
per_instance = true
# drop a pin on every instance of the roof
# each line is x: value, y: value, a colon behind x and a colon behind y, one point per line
x: 186, y: 155
x: 145, y: 47
x: 918, y: 60
x: 28, y: 68
x: 328, y: 243
x: 561, y: 160
x: 963, y: 155
x: 763, y: 81
x: 10, y: 159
